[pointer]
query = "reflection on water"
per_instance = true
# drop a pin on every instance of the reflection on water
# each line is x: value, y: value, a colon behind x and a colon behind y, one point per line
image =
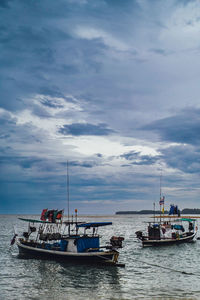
x: 57, y: 279
x: 22, y: 279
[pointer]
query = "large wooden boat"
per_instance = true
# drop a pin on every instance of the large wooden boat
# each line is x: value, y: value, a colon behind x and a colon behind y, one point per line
x: 62, y: 240
x: 52, y: 237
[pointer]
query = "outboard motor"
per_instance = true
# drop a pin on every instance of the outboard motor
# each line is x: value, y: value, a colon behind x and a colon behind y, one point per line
x: 116, y: 241
x: 139, y: 234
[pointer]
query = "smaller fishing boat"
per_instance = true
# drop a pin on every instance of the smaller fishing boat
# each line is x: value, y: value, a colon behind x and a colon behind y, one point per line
x: 167, y: 233
x: 168, y: 230
x: 53, y: 238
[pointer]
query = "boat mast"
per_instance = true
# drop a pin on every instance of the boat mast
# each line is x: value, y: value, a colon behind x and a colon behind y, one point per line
x: 68, y: 194
x: 160, y: 192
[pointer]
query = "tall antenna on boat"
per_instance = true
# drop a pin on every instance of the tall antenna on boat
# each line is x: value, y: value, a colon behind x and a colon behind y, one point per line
x: 68, y: 189
x: 160, y: 184
x: 160, y: 191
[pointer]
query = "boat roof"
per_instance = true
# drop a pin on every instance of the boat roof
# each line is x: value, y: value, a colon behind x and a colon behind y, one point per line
x: 174, y: 220
x: 94, y: 224
x: 33, y: 220
x: 186, y: 219
x: 82, y: 224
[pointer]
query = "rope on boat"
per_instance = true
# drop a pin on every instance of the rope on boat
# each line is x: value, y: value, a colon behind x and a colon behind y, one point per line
x: 108, y: 259
x: 102, y: 257
x: 167, y: 268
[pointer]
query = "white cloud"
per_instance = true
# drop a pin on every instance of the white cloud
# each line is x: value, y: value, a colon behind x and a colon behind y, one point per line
x: 108, y: 39
x: 182, y: 28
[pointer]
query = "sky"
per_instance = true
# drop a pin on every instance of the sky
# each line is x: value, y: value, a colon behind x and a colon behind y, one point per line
x: 110, y: 86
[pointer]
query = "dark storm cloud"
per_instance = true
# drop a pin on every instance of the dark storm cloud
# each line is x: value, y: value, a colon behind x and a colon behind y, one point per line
x: 84, y: 164
x: 29, y: 50
x: 52, y: 104
x: 186, y: 158
x: 181, y: 128
x: 136, y: 158
x: 146, y: 160
x: 130, y: 155
x: 23, y: 162
x: 50, y: 91
x: 38, y: 43
x: 78, y: 129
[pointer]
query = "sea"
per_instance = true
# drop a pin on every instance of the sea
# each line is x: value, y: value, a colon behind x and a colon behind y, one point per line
x: 170, y: 272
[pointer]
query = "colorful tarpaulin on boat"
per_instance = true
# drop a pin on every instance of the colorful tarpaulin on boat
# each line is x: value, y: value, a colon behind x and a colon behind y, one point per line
x: 43, y: 215
x: 86, y: 243
x: 178, y: 227
x: 174, y: 210
x: 51, y: 215
x: 187, y: 219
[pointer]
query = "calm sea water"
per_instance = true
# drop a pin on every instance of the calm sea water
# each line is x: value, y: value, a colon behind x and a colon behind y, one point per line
x: 144, y: 276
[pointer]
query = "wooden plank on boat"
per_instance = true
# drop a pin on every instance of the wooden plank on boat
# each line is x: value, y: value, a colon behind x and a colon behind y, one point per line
x: 120, y: 265
x: 112, y: 263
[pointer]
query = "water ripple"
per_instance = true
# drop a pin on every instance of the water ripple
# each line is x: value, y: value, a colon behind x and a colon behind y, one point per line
x: 144, y: 276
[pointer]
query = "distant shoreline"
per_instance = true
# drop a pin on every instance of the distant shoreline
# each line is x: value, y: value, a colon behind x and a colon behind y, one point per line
x: 185, y: 211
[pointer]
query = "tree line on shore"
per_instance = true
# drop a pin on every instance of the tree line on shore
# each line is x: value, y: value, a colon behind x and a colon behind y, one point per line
x: 185, y: 211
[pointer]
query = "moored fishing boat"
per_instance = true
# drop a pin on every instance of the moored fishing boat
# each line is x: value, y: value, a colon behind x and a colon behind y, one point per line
x: 169, y: 230
x: 53, y: 238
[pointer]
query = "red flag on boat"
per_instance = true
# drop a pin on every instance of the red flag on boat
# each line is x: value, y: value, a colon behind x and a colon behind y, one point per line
x: 59, y: 215
x: 43, y: 215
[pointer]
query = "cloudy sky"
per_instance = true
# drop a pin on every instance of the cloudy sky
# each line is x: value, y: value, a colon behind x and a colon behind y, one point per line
x: 113, y: 87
